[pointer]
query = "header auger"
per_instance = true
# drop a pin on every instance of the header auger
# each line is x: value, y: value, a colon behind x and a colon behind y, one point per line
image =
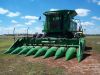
x: 60, y: 38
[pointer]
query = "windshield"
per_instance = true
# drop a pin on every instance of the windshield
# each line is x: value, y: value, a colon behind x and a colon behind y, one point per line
x: 54, y: 22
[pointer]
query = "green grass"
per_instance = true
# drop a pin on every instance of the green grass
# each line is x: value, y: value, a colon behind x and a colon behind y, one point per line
x: 5, y: 42
x: 93, y: 42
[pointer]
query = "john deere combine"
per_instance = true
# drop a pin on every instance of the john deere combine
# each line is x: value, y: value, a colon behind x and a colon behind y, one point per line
x: 60, y: 38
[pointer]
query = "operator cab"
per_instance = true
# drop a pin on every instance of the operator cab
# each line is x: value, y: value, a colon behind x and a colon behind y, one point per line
x: 60, y: 23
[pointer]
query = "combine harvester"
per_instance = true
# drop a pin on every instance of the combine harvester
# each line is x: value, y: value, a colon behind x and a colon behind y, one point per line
x: 60, y: 38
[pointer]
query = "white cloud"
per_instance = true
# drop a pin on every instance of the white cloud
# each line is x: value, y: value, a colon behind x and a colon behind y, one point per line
x: 18, y: 25
x: 52, y: 9
x: 19, y: 29
x: 13, y: 14
x: 96, y: 18
x: 30, y: 31
x: 87, y: 23
x: 93, y: 29
x: 14, y: 21
x: 96, y: 2
x: 31, y: 17
x: 9, y: 13
x: 30, y: 22
x: 82, y: 12
x: 3, y: 11
x: 38, y: 29
x: 6, y: 30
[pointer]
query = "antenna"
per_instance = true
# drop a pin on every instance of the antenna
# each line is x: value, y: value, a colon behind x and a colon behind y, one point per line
x: 14, y: 33
x: 27, y: 31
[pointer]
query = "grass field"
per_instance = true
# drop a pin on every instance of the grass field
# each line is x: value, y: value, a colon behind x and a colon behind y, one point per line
x: 94, y: 43
x: 17, y: 65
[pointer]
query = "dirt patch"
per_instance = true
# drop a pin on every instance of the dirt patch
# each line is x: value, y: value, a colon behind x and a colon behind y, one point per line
x: 89, y: 66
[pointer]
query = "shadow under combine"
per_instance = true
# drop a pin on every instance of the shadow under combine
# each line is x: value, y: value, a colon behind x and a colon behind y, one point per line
x: 86, y: 53
x: 88, y: 49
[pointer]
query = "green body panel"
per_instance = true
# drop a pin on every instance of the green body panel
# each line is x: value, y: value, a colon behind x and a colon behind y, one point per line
x: 50, y: 52
x: 41, y: 51
x: 33, y: 51
x: 81, y: 49
x: 70, y: 53
x: 79, y: 54
x: 60, y: 52
x: 83, y: 42
x: 53, y: 41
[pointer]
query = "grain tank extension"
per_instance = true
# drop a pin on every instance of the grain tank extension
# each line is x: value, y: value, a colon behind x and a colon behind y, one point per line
x: 61, y: 38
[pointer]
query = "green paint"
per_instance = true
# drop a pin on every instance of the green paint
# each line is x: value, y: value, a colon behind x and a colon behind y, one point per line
x: 79, y: 55
x: 17, y: 50
x: 33, y: 51
x: 41, y: 51
x: 50, y: 52
x: 25, y: 50
x: 70, y: 53
x: 60, y: 52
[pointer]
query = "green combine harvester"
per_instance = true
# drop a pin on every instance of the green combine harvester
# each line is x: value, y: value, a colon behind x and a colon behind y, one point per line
x: 60, y: 38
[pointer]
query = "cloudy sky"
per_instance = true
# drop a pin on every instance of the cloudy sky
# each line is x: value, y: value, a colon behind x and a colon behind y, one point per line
x: 21, y: 14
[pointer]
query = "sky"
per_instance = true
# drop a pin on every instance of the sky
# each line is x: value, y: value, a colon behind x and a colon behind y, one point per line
x: 24, y: 14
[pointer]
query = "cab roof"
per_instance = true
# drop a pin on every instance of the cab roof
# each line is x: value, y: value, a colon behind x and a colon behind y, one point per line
x: 60, y: 12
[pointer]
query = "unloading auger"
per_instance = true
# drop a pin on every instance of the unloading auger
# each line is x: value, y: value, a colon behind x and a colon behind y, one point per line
x: 60, y: 38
